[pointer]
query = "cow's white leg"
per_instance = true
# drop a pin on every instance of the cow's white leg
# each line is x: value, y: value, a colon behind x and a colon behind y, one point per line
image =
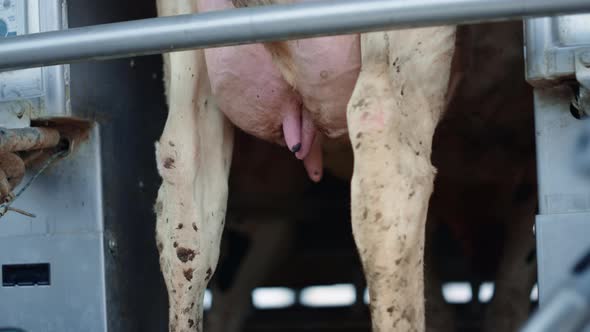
x: 193, y: 157
x: 392, y: 115
x: 270, y: 242
x: 517, y: 273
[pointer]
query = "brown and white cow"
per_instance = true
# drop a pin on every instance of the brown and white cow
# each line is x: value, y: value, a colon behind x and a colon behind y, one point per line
x: 382, y: 92
x: 487, y: 126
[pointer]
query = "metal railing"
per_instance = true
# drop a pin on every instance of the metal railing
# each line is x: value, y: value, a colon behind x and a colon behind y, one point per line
x: 262, y: 24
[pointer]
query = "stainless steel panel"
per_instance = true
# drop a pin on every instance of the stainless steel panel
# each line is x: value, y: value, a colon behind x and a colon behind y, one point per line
x: 561, y: 188
x: 74, y: 301
x: 67, y: 233
x: 551, y: 43
x: 561, y: 241
x: 571, y: 31
x: 563, y: 223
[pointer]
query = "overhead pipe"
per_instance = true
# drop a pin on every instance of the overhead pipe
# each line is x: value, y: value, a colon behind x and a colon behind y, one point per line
x: 262, y: 24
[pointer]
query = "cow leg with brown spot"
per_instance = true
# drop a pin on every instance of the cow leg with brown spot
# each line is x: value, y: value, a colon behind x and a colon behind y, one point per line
x: 193, y: 156
x: 392, y: 115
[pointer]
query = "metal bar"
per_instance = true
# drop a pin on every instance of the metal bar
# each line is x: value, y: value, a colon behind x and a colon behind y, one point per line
x: 262, y: 24
x: 24, y: 139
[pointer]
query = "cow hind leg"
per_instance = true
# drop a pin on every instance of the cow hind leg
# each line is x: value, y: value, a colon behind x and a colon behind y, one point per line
x: 392, y: 116
x: 193, y: 158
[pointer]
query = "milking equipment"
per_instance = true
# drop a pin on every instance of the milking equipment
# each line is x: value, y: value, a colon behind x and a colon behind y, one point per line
x: 68, y: 240
x: 50, y: 252
x: 69, y: 256
x: 558, y: 67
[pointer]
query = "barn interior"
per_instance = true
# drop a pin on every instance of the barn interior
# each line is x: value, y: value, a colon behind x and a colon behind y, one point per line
x: 485, y: 192
x: 322, y: 251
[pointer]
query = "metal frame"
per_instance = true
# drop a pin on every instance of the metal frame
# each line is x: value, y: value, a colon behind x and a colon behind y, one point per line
x: 67, y: 234
x: 268, y: 23
x: 552, y: 44
x: 558, y: 66
x: 91, y: 226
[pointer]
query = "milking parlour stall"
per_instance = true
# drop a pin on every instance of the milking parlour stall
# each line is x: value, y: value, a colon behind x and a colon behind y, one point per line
x: 294, y: 165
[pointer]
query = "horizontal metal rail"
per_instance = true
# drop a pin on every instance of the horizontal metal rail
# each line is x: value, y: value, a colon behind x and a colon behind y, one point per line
x: 262, y: 24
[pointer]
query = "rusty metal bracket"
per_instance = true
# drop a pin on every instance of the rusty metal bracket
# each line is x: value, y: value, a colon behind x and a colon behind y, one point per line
x: 25, y: 139
x: 30, y: 143
x: 6, y: 206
